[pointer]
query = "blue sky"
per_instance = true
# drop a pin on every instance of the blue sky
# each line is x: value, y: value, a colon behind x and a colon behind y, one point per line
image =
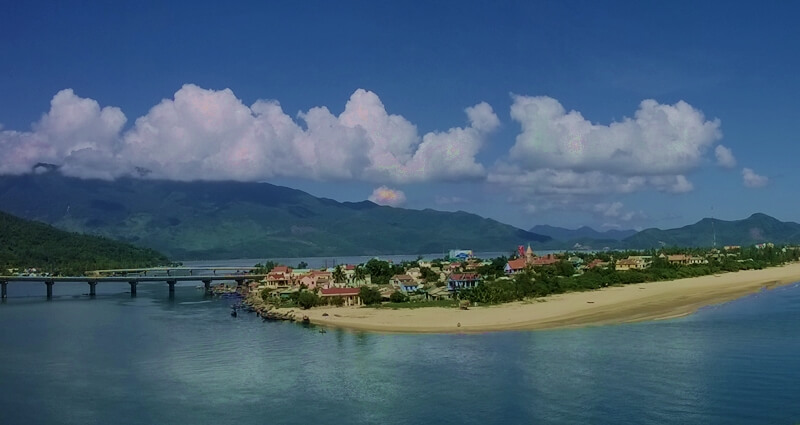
x: 343, y: 98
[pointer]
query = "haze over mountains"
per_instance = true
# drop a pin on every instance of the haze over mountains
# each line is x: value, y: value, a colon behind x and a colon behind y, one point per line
x: 217, y: 220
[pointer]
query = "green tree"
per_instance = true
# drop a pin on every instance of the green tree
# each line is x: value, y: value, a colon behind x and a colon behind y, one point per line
x: 369, y: 296
x: 358, y: 274
x: 398, y: 297
x: 302, y: 265
x: 495, y: 269
x: 338, y: 275
x: 429, y: 275
x: 264, y: 268
x: 307, y: 299
x: 564, y: 268
x: 379, y: 271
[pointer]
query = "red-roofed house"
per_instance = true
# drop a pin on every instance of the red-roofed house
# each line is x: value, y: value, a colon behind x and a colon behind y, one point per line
x: 596, y: 263
x: 547, y: 260
x: 277, y: 280
x: 515, y: 266
x: 350, y: 295
x: 315, y: 279
x: 460, y: 281
x: 281, y: 269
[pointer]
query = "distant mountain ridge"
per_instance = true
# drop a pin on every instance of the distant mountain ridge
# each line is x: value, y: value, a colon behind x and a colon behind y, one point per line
x: 707, y: 232
x: 205, y: 220
x: 585, y: 232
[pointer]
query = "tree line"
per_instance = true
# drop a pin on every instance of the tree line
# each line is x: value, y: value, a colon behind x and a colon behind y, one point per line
x: 560, y: 278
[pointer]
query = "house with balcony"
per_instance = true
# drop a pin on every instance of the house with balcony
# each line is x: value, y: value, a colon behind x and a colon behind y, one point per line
x: 277, y: 280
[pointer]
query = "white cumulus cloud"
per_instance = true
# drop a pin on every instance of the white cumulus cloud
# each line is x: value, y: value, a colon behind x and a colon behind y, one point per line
x: 386, y: 196
x: 725, y: 157
x: 561, y: 158
x: 660, y: 139
x: 74, y: 132
x: 751, y: 179
x: 202, y: 134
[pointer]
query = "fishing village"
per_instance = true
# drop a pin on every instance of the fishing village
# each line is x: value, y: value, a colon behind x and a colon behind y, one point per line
x: 411, y: 295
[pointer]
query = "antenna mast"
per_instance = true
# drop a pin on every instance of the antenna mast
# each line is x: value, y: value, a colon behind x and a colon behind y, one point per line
x: 713, y: 229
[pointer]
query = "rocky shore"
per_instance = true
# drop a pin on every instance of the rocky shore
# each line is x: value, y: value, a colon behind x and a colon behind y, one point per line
x: 255, y: 303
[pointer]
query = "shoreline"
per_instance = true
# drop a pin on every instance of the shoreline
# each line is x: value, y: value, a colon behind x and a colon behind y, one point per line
x: 612, y: 305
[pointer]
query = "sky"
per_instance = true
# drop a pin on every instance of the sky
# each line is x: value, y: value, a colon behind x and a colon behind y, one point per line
x: 568, y: 113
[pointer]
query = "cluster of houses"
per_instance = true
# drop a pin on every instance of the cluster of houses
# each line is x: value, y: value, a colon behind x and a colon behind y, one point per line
x: 528, y: 259
x: 460, y: 273
x: 283, y: 281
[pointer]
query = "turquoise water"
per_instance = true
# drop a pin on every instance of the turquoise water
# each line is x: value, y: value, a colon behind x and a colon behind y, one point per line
x: 152, y: 360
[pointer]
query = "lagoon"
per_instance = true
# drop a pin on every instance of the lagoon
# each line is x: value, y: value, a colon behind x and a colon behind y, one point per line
x: 149, y: 359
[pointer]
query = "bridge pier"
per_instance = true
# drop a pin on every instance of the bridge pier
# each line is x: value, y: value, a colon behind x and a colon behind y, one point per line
x: 49, y: 284
x: 171, y: 284
x: 4, y: 289
x: 207, y: 284
x: 133, y: 284
x: 92, y: 285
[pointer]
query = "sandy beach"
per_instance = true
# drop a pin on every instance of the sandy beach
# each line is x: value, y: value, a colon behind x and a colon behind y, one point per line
x: 623, y: 304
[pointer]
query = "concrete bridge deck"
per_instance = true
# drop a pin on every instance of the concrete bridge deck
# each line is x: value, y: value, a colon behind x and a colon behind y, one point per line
x: 49, y: 281
x: 169, y: 270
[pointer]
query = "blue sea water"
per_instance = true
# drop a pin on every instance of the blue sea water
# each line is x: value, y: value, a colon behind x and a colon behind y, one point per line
x: 154, y: 360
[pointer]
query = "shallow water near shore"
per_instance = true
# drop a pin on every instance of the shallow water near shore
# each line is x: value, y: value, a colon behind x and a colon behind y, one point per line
x: 149, y: 359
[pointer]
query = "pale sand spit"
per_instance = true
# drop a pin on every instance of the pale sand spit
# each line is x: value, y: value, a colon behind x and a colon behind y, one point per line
x: 622, y: 304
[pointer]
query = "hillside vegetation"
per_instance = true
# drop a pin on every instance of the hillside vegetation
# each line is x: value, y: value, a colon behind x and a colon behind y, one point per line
x: 205, y: 220
x: 30, y: 244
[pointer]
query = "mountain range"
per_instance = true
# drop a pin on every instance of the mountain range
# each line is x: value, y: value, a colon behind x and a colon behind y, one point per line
x: 585, y: 232
x: 216, y: 220
x: 755, y: 229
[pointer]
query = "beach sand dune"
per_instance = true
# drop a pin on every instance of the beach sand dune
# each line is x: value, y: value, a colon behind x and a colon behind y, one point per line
x: 623, y: 304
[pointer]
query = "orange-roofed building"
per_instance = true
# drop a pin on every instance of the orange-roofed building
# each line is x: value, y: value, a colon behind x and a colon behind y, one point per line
x: 515, y: 266
x: 350, y: 295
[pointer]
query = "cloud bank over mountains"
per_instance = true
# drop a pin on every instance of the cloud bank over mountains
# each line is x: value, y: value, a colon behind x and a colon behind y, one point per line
x: 203, y: 134
x: 558, y: 158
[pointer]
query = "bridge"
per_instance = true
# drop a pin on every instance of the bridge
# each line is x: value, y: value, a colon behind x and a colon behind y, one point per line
x: 170, y: 270
x: 133, y: 280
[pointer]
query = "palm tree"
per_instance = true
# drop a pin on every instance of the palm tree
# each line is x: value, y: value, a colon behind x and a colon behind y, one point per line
x: 359, y: 275
x: 338, y: 275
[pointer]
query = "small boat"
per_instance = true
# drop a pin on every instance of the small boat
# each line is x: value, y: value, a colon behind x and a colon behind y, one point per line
x: 322, y: 331
x: 234, y: 313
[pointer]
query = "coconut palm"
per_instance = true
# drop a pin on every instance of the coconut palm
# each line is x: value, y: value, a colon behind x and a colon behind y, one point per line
x: 359, y: 275
x: 338, y: 275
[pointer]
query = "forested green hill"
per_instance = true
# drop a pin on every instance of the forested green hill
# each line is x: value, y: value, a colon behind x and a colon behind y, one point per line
x: 30, y: 244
